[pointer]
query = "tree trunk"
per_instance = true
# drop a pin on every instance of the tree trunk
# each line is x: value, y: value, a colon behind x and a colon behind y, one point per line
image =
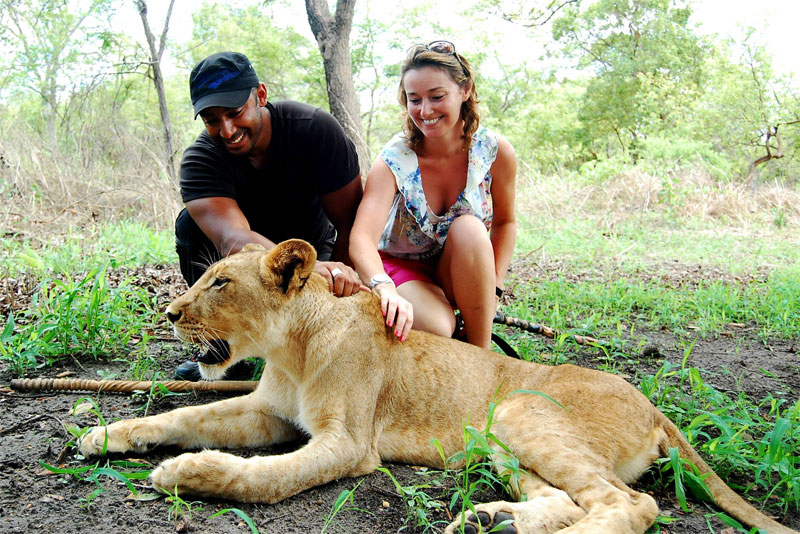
x: 158, y: 80
x: 333, y: 38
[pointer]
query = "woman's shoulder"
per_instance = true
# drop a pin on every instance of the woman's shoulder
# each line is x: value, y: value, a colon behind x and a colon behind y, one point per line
x: 494, y: 142
x: 398, y: 142
x: 397, y: 150
x: 484, y: 145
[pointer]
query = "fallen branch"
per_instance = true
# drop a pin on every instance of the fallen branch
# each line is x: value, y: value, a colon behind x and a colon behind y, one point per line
x: 542, y: 330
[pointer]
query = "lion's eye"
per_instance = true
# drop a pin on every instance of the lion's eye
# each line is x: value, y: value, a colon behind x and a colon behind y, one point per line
x: 219, y: 282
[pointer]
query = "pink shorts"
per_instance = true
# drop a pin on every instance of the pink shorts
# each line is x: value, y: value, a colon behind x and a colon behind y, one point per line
x: 402, y: 271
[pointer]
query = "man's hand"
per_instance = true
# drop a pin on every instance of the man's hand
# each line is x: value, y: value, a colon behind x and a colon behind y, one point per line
x: 342, y: 280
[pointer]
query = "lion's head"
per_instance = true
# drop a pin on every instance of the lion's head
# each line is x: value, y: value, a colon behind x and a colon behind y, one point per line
x: 237, y: 297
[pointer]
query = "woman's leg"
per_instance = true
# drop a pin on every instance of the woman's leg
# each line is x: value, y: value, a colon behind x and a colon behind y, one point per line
x: 466, y: 274
x: 432, y: 311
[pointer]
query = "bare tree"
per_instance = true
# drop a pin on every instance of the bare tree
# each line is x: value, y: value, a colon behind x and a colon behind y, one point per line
x: 769, y: 107
x: 332, y: 33
x: 158, y: 80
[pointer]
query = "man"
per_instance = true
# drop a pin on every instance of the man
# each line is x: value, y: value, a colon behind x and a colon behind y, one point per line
x: 263, y: 172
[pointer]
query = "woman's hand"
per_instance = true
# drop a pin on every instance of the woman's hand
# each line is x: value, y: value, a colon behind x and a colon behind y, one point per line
x: 398, y: 311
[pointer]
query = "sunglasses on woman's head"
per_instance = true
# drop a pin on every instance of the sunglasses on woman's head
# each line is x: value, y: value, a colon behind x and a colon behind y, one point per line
x: 447, y: 48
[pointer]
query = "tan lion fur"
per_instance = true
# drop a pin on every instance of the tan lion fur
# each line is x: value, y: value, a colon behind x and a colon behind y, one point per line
x: 336, y: 373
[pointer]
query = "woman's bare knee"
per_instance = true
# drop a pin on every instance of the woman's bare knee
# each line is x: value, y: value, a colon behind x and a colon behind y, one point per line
x: 432, y: 311
x: 467, y: 230
x: 440, y: 326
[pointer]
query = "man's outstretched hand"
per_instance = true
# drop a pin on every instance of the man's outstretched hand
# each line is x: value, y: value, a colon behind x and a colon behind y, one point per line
x: 342, y: 280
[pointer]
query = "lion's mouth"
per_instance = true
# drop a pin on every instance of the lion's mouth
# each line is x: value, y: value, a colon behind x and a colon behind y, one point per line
x: 217, y: 351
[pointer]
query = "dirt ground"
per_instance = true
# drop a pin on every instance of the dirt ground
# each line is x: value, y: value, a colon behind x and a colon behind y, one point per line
x: 32, y: 431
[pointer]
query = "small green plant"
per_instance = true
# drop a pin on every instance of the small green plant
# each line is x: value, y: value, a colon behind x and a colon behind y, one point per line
x: 685, y: 474
x: 419, y: 505
x: 180, y: 508
x: 157, y: 391
x: 92, y: 473
x: 779, y: 217
x: 141, y: 368
x: 344, y: 497
x: 125, y: 471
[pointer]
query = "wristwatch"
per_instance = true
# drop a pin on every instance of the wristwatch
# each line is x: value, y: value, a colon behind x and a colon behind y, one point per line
x: 380, y: 278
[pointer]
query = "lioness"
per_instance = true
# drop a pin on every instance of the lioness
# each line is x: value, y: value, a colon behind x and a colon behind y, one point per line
x: 334, y: 372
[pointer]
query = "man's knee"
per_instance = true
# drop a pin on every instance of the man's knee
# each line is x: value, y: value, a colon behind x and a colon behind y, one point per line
x: 195, y: 251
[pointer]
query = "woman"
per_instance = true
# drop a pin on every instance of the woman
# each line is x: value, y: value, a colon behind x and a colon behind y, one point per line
x: 436, y: 226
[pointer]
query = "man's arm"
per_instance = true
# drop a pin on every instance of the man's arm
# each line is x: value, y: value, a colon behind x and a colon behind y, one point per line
x: 221, y: 219
x: 340, y: 206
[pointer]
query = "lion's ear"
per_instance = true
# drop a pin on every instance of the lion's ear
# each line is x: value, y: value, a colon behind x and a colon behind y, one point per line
x: 253, y: 246
x: 292, y: 262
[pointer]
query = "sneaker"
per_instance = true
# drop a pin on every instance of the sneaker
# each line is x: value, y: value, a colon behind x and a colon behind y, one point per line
x: 190, y: 371
x: 218, y: 351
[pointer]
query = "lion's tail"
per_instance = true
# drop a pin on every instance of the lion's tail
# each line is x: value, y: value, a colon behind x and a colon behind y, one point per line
x: 724, y: 497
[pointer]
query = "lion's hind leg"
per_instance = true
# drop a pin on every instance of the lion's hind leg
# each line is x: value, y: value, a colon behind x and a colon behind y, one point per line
x: 611, y: 506
x: 542, y: 509
x: 576, y: 461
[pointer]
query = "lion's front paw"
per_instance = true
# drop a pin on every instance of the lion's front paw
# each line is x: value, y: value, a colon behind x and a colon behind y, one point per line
x: 100, y: 440
x: 122, y: 436
x: 203, y: 473
x: 485, y: 521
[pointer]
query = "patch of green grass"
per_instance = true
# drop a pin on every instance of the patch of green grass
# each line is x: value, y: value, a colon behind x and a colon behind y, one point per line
x: 77, y: 317
x: 590, y: 306
x: 76, y: 250
x: 740, y: 437
x: 645, y: 240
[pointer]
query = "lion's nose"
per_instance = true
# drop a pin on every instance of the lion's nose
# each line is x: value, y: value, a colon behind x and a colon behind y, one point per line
x: 173, y: 316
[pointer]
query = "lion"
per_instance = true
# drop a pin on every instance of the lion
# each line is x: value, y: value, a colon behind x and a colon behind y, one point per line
x: 335, y: 373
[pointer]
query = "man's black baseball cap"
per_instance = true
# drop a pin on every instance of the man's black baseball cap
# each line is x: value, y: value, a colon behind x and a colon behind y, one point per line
x: 224, y: 79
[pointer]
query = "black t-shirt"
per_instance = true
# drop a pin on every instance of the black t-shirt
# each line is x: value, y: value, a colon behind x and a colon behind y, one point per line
x: 309, y: 155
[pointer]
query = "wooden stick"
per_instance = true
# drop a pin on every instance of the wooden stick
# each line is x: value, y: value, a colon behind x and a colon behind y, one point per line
x: 129, y: 386
x: 542, y: 330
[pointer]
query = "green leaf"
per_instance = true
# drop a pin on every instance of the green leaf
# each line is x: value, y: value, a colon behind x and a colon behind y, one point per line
x: 241, y: 514
x: 539, y: 393
x: 677, y: 470
x: 113, y: 473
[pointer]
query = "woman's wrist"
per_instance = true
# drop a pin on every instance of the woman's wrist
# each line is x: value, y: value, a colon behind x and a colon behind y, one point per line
x: 378, y: 289
x: 378, y: 279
